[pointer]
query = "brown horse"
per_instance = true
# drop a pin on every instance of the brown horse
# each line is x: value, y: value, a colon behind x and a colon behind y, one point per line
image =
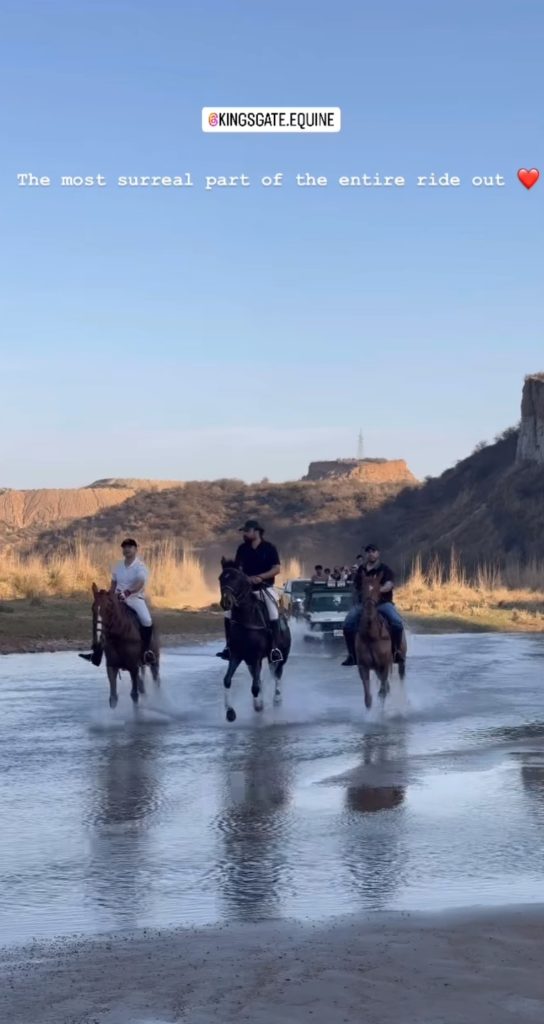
x: 116, y: 630
x: 373, y: 644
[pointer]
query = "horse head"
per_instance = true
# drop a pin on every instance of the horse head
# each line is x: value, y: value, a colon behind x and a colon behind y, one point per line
x: 370, y: 591
x: 105, y: 604
x: 234, y: 584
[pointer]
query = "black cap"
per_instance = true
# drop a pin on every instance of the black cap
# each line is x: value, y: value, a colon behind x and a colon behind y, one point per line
x: 251, y: 524
x: 372, y: 547
x: 129, y: 543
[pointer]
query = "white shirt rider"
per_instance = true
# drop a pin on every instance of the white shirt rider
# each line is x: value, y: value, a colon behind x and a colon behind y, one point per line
x: 130, y: 577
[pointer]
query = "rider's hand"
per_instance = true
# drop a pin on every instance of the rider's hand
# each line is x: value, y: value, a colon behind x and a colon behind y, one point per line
x: 255, y: 579
x: 126, y: 593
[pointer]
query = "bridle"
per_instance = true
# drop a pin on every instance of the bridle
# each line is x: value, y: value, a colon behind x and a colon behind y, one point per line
x: 235, y: 593
x: 98, y: 612
x: 372, y: 596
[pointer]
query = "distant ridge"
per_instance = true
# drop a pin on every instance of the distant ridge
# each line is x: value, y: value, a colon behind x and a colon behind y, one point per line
x: 134, y: 484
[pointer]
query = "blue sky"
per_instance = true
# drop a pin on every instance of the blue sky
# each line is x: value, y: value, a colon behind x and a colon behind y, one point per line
x: 243, y: 332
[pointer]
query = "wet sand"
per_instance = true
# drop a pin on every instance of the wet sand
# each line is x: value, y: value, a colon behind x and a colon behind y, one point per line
x: 399, y: 969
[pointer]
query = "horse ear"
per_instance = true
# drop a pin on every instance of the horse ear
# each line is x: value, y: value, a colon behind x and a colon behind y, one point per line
x: 223, y: 561
x: 95, y: 589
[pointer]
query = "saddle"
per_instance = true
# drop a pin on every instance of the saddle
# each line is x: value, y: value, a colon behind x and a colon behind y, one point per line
x: 265, y: 618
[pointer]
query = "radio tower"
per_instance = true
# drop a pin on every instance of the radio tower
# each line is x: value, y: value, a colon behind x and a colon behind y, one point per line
x: 360, y: 447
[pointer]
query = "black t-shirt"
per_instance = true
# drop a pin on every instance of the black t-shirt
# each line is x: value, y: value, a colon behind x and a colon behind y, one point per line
x: 387, y: 576
x: 254, y: 561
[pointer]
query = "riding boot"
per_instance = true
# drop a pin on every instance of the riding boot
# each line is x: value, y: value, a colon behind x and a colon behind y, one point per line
x: 350, y: 644
x: 397, y: 633
x: 225, y: 653
x: 95, y: 657
x: 275, y: 654
x: 148, y: 655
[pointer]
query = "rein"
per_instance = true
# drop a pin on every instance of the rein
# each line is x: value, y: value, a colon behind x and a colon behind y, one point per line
x: 112, y: 621
x: 239, y: 602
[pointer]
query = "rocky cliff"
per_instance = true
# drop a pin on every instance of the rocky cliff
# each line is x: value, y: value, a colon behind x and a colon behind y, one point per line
x: 531, y: 434
x: 365, y: 471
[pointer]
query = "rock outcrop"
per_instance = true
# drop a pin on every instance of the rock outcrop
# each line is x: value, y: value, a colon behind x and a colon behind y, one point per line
x: 531, y: 433
x: 367, y: 471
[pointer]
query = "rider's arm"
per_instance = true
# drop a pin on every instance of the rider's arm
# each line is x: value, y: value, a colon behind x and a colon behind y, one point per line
x: 138, y: 585
x: 270, y: 574
x: 387, y: 581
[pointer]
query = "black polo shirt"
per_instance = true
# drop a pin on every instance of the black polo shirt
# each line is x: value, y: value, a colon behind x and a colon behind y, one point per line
x: 254, y: 561
x: 387, y: 576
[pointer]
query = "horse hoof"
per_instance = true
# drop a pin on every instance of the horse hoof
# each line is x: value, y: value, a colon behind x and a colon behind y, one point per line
x: 231, y: 715
x: 277, y: 698
x: 134, y: 696
x: 258, y: 705
x: 113, y: 702
x: 368, y: 702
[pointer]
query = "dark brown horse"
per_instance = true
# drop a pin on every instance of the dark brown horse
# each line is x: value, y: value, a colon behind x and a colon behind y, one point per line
x: 250, y: 638
x: 116, y: 631
x: 373, y: 644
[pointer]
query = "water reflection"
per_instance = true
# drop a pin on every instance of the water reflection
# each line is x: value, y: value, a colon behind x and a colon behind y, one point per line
x: 532, y: 777
x: 125, y: 796
x: 374, y: 844
x: 252, y: 826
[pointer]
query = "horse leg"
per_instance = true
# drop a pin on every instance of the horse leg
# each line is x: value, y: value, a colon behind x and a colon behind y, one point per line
x: 277, y: 667
x: 255, y: 669
x: 112, y: 677
x: 364, y: 673
x: 403, y: 653
x: 383, y: 676
x: 155, y: 673
x: 227, y: 681
x: 141, y: 681
x: 277, y: 672
x: 136, y: 683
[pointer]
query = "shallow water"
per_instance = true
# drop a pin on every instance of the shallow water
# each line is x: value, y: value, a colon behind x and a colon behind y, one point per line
x: 168, y: 815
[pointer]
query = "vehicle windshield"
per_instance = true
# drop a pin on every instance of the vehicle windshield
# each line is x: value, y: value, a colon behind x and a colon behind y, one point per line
x: 299, y: 587
x: 330, y: 602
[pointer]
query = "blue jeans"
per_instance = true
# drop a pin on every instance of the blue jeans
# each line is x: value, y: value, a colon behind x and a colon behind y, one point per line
x: 387, y: 609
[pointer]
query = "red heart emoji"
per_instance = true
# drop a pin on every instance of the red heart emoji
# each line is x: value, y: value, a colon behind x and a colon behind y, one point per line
x: 528, y: 178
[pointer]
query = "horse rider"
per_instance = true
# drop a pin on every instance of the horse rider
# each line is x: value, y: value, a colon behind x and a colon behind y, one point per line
x: 373, y: 566
x: 128, y: 579
x: 260, y: 561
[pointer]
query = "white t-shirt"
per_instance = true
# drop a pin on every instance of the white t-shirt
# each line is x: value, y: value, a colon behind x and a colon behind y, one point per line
x: 130, y: 577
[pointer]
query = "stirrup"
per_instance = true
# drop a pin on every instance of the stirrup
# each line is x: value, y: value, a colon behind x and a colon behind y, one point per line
x: 349, y: 662
x: 224, y: 654
x: 149, y: 658
x: 276, y: 655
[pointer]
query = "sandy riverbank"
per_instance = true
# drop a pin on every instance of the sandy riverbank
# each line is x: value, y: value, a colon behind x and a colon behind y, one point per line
x: 485, y: 967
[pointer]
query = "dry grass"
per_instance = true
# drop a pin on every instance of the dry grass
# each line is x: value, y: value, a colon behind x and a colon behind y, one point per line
x: 176, y: 579
x: 442, y: 597
x: 495, y: 599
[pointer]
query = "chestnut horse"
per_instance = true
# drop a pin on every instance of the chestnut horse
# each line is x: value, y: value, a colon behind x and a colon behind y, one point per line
x: 373, y: 644
x: 116, y: 630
